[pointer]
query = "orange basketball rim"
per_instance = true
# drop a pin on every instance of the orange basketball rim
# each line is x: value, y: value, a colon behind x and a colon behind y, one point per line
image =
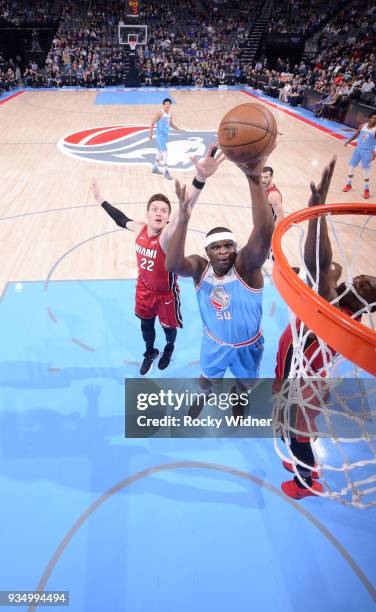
x: 348, y: 337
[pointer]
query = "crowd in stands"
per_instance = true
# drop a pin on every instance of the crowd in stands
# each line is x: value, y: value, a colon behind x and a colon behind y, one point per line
x: 200, y: 43
x: 300, y: 16
x: 342, y: 70
x: 204, y: 51
x: 19, y: 12
x: 289, y: 84
x: 184, y: 46
x: 8, y: 74
x: 84, y: 50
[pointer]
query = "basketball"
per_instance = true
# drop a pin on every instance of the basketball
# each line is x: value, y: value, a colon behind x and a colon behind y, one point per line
x: 247, y: 132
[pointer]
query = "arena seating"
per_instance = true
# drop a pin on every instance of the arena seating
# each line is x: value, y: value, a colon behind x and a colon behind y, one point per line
x: 25, y: 12
x: 200, y: 43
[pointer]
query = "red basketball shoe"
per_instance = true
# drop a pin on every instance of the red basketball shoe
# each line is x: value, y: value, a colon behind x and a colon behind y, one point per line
x: 293, y: 490
x: 366, y: 194
x: 288, y: 466
x: 347, y: 188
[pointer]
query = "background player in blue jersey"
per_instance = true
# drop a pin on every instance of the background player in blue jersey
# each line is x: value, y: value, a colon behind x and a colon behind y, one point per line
x: 364, y: 152
x: 163, y: 121
x: 229, y: 285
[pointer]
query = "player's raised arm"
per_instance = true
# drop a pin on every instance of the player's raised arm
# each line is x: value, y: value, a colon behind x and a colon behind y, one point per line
x: 327, y: 277
x: 117, y: 215
x: 176, y: 261
x: 156, y: 118
x: 205, y: 168
x: 252, y: 256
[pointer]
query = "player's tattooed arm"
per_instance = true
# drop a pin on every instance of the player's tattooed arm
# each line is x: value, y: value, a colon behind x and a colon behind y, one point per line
x: 326, y: 277
x: 117, y: 215
x: 176, y: 261
x: 154, y: 121
x: 253, y: 255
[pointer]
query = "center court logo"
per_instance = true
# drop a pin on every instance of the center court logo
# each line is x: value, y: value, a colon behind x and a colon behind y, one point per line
x: 130, y: 145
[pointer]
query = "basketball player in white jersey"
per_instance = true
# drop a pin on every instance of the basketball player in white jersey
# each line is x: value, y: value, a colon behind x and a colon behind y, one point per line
x: 163, y: 121
x: 273, y: 194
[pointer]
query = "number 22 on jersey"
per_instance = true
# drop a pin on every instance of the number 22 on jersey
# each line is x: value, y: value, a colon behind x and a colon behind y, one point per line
x: 147, y: 264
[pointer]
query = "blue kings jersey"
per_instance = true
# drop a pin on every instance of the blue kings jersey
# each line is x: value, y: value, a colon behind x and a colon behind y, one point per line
x: 163, y: 125
x: 366, y: 138
x: 230, y: 310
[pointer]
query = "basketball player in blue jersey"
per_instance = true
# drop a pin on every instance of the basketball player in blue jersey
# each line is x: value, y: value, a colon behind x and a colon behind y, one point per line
x: 229, y: 286
x: 163, y: 121
x: 364, y: 152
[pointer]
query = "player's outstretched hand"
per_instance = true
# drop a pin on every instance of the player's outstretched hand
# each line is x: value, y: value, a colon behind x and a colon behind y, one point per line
x: 319, y: 193
x: 209, y: 164
x: 96, y: 193
x: 184, y: 197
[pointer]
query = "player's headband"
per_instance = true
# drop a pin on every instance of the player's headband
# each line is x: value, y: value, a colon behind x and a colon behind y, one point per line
x: 217, y: 237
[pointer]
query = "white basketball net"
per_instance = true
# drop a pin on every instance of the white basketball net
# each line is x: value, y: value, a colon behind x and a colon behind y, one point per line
x: 332, y: 406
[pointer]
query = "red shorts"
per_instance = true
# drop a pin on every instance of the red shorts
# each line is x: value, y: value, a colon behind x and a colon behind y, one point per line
x: 165, y: 306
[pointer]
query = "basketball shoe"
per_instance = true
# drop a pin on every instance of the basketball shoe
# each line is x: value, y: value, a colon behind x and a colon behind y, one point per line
x: 347, y: 188
x: 149, y: 358
x: 156, y: 170
x: 293, y: 490
x: 165, y: 359
x: 366, y: 194
x: 167, y: 175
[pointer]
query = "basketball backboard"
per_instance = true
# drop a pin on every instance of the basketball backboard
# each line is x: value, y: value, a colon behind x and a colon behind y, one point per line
x: 130, y: 32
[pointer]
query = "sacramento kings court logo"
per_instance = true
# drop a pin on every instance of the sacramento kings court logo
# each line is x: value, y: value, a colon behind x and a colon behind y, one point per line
x: 130, y: 144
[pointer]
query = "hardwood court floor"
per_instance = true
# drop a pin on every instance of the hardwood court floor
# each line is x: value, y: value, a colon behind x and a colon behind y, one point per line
x: 175, y: 508
x: 47, y: 208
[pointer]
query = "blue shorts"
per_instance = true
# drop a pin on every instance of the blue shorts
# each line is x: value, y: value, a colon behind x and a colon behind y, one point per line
x: 162, y: 143
x: 243, y: 362
x: 361, y: 155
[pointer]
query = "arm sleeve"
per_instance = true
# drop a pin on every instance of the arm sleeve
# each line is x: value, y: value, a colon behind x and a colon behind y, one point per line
x: 117, y: 215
